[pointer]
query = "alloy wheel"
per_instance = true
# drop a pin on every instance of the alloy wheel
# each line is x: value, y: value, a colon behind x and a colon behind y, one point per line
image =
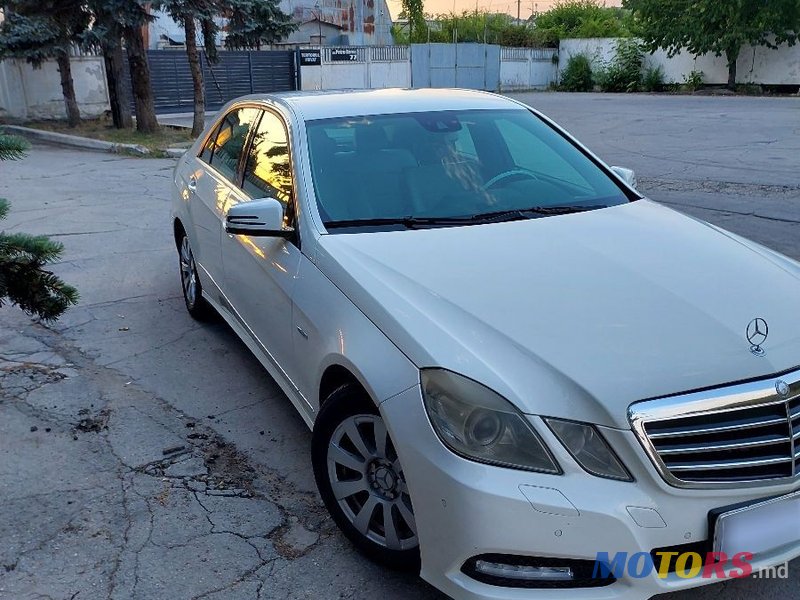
x: 368, y: 483
x: 188, y: 272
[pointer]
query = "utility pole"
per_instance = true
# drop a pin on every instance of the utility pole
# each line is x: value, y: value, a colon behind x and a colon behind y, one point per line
x: 519, y: 2
x: 319, y: 23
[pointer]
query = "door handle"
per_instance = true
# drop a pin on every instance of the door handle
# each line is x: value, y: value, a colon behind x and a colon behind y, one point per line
x: 192, y: 185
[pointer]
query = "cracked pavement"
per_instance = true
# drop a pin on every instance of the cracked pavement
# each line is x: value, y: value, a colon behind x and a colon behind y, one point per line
x: 145, y: 456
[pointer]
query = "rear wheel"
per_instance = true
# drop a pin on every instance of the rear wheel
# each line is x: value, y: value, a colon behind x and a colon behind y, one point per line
x: 361, y: 480
x: 197, y: 306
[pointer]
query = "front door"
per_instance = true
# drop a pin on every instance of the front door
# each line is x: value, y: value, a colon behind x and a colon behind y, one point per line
x: 215, y: 174
x: 260, y: 271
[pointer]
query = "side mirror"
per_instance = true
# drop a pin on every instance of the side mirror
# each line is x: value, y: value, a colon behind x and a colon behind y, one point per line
x: 257, y: 218
x: 627, y: 175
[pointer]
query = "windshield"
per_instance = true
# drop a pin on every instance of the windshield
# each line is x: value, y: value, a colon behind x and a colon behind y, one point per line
x: 449, y: 168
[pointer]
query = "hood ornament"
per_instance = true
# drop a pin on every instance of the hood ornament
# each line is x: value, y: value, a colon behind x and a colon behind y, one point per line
x: 757, y: 332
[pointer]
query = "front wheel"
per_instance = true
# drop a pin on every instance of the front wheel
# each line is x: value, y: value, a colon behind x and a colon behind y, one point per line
x: 361, y: 480
x: 190, y: 283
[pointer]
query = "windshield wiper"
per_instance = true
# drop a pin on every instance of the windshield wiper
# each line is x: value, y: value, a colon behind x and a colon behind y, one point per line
x: 412, y: 222
x: 532, y: 212
x: 409, y: 222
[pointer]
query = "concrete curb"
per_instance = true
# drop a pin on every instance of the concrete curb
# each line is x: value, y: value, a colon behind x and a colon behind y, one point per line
x: 74, y: 141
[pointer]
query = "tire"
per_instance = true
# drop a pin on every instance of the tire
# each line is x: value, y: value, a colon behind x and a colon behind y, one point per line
x: 360, y: 478
x: 197, y: 306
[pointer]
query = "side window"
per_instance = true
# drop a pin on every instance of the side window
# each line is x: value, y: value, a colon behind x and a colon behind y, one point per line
x: 268, y: 172
x: 229, y: 141
x: 531, y: 153
x: 208, y: 147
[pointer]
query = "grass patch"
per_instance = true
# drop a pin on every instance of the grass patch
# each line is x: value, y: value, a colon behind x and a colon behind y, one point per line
x: 102, y: 129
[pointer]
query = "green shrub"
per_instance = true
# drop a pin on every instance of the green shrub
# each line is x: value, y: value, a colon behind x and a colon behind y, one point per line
x: 624, y: 72
x: 580, y: 19
x: 653, y: 79
x: 577, y: 76
x: 693, y: 81
x: 749, y: 89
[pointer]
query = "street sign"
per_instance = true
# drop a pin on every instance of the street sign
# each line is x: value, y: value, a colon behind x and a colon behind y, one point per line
x: 310, y: 58
x: 344, y: 54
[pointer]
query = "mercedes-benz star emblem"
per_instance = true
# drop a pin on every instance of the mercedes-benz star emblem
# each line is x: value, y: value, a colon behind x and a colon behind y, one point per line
x: 757, y: 332
x: 782, y: 388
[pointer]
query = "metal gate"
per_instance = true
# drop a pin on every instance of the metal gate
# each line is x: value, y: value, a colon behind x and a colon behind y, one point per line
x: 236, y: 73
x: 474, y: 66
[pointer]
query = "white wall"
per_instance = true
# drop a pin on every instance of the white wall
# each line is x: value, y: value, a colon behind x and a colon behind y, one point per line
x: 393, y: 74
x: 527, y: 69
x: 376, y: 67
x: 28, y: 93
x: 757, y: 64
x: 384, y: 67
x: 344, y: 76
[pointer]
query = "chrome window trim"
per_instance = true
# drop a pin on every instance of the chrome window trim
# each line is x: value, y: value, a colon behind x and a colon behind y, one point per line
x: 752, y: 394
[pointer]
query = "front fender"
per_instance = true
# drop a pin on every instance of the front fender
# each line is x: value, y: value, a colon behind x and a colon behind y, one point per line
x: 329, y: 330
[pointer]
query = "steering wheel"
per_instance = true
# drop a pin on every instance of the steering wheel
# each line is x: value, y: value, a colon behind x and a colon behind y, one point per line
x: 506, y: 174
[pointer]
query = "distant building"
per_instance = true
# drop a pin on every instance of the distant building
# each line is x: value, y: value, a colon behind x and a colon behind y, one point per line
x: 348, y: 22
x: 320, y: 23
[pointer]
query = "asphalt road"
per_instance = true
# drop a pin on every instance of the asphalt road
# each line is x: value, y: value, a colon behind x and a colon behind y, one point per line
x: 143, y: 455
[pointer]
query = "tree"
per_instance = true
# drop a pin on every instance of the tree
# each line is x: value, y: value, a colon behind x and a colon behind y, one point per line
x: 23, y: 279
x: 414, y: 11
x: 255, y: 23
x: 251, y: 23
x: 579, y: 19
x: 189, y: 13
x: 118, y: 25
x: 133, y: 16
x: 702, y: 26
x: 37, y: 30
x: 106, y: 35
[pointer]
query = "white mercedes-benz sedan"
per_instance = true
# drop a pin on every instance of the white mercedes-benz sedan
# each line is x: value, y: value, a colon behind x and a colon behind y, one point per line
x: 524, y: 379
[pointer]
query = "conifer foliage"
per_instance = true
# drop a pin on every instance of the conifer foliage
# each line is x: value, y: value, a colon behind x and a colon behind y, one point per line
x: 24, y: 279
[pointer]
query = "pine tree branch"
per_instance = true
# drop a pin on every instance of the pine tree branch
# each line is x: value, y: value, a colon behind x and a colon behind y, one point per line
x: 11, y: 148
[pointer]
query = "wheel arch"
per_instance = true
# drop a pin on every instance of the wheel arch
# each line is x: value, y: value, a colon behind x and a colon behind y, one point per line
x: 335, y: 376
x: 178, y: 231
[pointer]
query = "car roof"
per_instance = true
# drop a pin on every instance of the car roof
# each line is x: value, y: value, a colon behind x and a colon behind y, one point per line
x: 327, y: 104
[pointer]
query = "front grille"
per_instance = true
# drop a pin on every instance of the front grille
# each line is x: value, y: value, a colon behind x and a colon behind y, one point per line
x: 750, y: 443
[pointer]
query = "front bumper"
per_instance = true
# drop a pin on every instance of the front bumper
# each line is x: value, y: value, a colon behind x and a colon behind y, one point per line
x: 464, y: 509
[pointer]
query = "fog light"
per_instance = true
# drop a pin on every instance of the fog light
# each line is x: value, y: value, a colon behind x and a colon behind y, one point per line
x: 532, y: 572
x: 524, y: 572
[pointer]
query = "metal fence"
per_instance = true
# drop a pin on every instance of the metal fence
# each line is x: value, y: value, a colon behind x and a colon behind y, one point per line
x: 361, y: 54
x: 526, y: 54
x: 475, y: 66
x: 234, y: 74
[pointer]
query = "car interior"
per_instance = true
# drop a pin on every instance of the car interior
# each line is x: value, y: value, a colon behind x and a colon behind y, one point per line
x: 427, y: 165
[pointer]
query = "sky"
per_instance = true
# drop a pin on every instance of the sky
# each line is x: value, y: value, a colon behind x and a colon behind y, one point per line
x: 506, y: 6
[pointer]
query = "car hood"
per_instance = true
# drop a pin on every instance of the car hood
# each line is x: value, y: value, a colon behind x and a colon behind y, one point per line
x: 579, y: 315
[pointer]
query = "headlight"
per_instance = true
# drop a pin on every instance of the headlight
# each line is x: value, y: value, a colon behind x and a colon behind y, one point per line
x: 478, y: 424
x: 589, y: 449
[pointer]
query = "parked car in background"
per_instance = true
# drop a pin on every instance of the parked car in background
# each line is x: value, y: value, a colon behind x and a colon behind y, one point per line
x: 517, y: 370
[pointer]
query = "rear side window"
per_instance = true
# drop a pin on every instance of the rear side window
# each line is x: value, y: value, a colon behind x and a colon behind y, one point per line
x: 224, y: 147
x: 208, y: 147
